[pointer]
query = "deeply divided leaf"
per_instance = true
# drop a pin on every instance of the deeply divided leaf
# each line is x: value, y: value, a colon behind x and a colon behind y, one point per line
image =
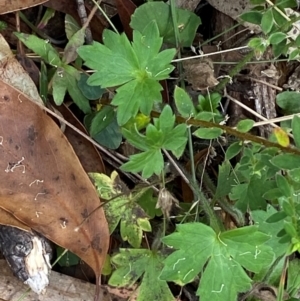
x: 137, y: 66
x: 134, y: 264
x: 221, y: 258
x: 123, y: 209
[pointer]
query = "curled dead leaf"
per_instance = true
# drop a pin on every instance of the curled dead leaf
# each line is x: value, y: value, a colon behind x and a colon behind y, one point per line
x: 200, y: 73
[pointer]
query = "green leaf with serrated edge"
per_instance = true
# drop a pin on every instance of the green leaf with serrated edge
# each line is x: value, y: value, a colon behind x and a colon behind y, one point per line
x: 267, y: 21
x: 135, y: 138
x: 252, y: 17
x: 233, y: 150
x: 224, y: 278
x: 187, y: 21
x: 249, y: 195
x: 177, y: 138
x: 261, y: 219
x: 184, y: 103
x: 296, y: 130
x: 70, y: 51
x: 245, y: 125
x: 248, y: 248
x: 161, y: 134
x: 90, y: 54
x: 286, y: 161
x: 178, y: 267
x: 128, y: 105
x: 133, y: 264
x: 208, y: 133
x: 137, y: 66
x: 131, y: 96
x: 277, y: 37
x: 283, y: 185
x: 230, y: 250
x: 289, y: 101
x: 101, y: 120
x: 149, y: 163
x: 178, y: 152
x: 146, y: 44
x: 40, y: 47
x: 166, y: 119
x: 123, y: 209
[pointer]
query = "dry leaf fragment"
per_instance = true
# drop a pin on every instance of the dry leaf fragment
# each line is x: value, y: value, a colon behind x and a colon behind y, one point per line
x: 7, y: 6
x: 42, y: 182
x: 200, y: 73
x: 12, y: 73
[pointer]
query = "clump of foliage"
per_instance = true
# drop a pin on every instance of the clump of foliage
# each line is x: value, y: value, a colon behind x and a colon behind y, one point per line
x: 264, y: 184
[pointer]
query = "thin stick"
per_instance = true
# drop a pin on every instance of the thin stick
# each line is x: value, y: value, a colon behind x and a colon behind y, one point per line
x: 265, y: 122
x: 208, y: 54
x: 278, y: 119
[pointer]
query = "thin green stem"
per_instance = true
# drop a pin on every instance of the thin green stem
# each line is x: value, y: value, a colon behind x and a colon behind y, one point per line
x: 177, y: 40
x: 38, y: 31
x: 234, y: 71
x: 220, y: 34
x: 106, y: 16
x: 191, y: 151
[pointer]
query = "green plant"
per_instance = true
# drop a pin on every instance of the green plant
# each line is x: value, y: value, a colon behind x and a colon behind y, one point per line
x: 276, y: 26
x: 263, y: 183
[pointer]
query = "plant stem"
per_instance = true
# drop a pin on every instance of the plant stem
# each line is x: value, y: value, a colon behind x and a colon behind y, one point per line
x: 106, y: 16
x: 234, y: 71
x: 191, y: 151
x: 233, y: 132
x: 200, y: 198
x: 177, y: 40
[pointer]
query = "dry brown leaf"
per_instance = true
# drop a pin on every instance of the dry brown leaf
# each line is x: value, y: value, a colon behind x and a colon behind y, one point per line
x: 42, y: 183
x: 13, y: 73
x: 8, y: 219
x: 200, y: 73
x: 7, y: 6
